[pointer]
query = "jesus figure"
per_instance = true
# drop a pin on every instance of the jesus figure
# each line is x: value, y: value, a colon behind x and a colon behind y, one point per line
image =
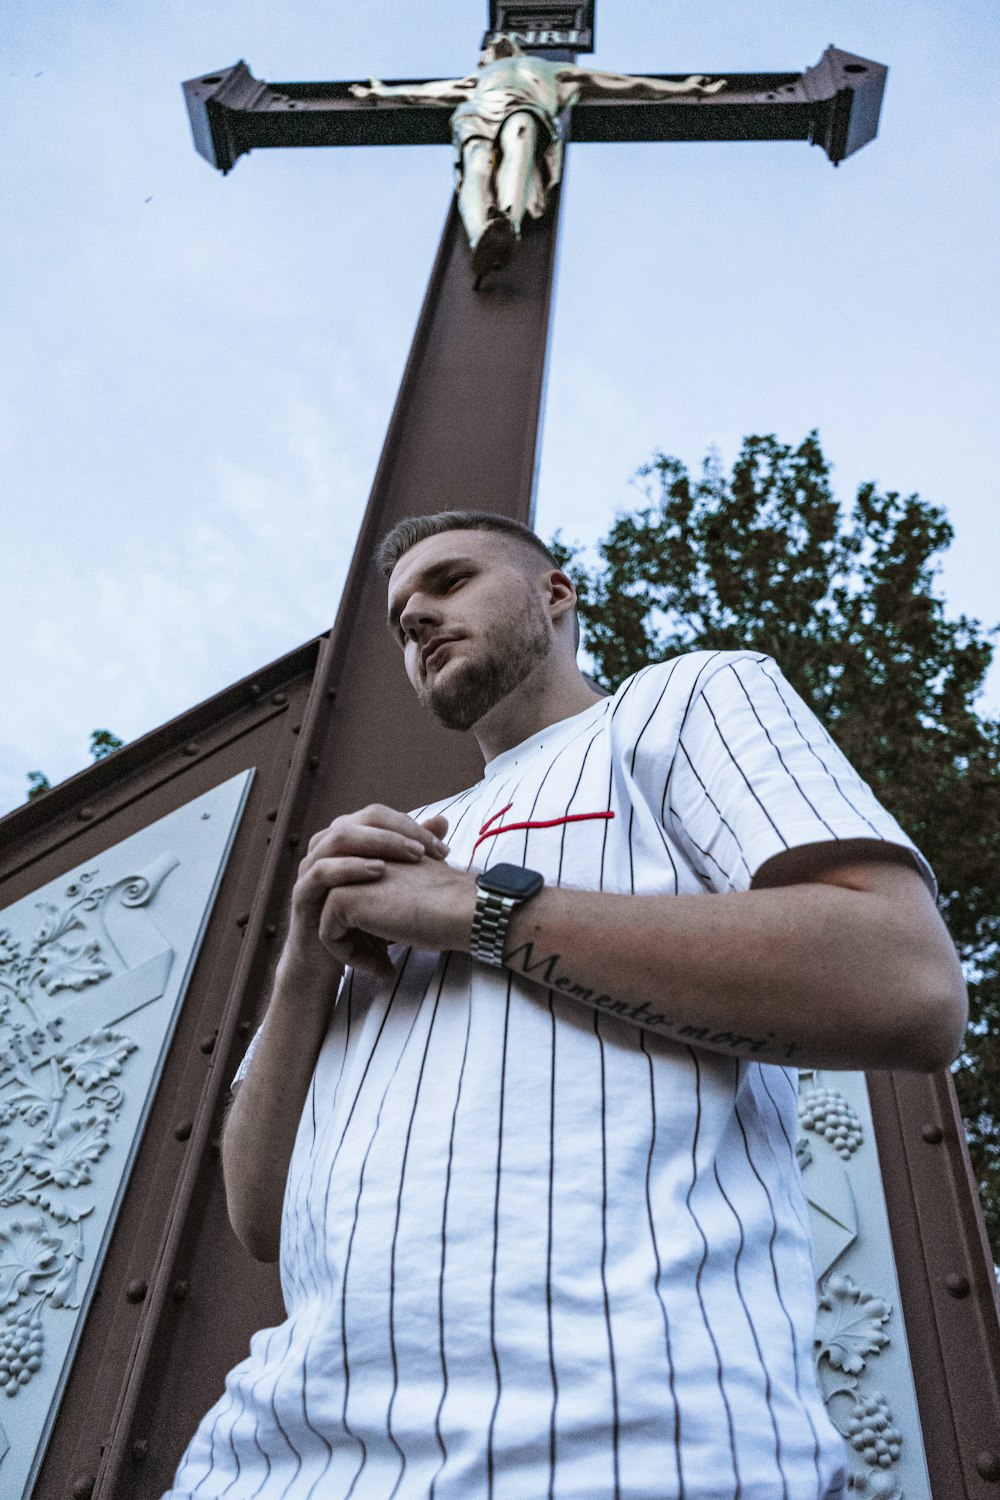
x: 507, y: 132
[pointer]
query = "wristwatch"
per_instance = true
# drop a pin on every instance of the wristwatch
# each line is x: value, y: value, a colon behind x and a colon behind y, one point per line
x: 502, y: 890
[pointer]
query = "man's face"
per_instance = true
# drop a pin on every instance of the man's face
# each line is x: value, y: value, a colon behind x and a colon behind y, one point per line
x: 468, y: 610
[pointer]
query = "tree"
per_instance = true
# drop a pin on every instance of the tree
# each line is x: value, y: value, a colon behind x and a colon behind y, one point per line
x: 102, y: 744
x: 767, y: 559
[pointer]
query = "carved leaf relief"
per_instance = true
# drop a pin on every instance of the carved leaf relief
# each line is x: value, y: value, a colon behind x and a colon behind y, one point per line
x: 27, y: 1256
x: 65, y: 1157
x: 849, y: 1325
x: 71, y: 968
x: 97, y: 1058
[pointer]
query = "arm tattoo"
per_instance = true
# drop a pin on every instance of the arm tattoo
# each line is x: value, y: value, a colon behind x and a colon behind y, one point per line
x: 548, y: 970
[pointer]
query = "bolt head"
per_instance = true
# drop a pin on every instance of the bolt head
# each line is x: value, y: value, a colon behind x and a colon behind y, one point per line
x: 957, y: 1285
x: 988, y: 1465
x: 932, y: 1134
x: 136, y: 1291
x: 84, y: 1487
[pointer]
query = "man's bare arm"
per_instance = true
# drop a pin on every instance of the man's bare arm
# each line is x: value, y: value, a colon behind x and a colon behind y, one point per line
x: 848, y: 968
x: 264, y: 1117
x: 853, y: 969
x: 261, y: 1127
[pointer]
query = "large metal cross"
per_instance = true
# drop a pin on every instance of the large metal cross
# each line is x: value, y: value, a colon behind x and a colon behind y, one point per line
x: 464, y: 432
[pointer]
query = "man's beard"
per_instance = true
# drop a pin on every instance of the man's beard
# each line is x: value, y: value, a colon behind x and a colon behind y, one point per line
x: 509, y: 654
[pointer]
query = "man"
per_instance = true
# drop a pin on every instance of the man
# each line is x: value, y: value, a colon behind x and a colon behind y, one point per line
x: 542, y: 1230
x: 507, y: 136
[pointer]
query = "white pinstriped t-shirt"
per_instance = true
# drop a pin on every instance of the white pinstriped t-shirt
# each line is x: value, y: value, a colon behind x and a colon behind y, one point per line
x: 530, y: 1248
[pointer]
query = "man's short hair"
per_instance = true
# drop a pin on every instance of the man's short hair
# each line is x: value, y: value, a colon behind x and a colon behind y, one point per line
x: 413, y: 529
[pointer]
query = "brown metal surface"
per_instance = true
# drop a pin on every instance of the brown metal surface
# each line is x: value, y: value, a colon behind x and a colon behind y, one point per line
x: 946, y: 1279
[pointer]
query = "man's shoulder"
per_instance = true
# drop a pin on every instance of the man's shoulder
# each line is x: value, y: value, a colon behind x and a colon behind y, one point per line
x: 681, y: 678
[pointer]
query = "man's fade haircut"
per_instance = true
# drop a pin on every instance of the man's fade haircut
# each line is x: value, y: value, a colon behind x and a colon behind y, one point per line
x: 413, y: 529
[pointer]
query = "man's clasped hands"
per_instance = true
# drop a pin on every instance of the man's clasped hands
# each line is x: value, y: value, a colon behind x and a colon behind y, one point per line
x: 373, y: 878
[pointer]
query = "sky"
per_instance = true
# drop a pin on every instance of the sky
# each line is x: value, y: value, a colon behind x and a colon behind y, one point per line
x: 197, y: 371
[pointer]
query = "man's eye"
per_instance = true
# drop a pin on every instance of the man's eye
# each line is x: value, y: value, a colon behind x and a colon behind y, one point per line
x: 455, y: 578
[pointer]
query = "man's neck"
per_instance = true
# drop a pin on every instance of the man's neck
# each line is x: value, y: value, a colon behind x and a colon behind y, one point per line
x: 532, y: 707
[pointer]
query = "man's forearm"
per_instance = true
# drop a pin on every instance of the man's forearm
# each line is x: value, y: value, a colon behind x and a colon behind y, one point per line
x: 810, y: 974
x: 262, y: 1124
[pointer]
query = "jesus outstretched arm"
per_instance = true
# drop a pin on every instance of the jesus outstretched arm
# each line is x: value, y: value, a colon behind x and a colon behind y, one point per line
x: 438, y: 91
x: 592, y: 80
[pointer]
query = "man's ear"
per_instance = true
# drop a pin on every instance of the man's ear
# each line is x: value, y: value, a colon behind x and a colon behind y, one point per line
x: 561, y: 593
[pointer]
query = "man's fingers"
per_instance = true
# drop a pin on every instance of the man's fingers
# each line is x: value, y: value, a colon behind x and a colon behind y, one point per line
x: 364, y: 842
x: 325, y: 875
x: 437, y: 826
x: 353, y: 835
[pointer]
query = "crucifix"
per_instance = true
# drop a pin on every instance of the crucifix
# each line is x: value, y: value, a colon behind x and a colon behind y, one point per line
x: 465, y: 428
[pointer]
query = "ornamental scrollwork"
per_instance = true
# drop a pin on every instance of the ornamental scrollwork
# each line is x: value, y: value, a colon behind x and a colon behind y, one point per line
x: 59, y: 1101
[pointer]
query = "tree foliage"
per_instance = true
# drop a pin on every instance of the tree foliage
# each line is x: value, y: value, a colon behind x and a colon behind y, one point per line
x: 102, y: 744
x: 846, y: 600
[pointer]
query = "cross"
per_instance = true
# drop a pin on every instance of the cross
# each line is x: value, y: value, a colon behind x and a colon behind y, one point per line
x: 464, y: 431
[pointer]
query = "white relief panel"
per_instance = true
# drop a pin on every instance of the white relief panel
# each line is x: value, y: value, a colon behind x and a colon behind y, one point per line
x: 862, y: 1358
x: 93, y: 971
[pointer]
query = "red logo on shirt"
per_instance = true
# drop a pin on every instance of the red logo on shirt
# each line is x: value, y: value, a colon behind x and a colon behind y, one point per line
x: 486, y: 832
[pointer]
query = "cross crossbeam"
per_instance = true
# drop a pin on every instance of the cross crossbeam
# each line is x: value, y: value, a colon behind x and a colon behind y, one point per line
x: 834, y: 105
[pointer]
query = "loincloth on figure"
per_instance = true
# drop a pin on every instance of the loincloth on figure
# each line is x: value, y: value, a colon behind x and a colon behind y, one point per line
x: 470, y: 122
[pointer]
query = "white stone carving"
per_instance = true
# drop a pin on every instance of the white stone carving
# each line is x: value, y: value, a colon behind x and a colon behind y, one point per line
x: 93, y: 970
x: 860, y: 1344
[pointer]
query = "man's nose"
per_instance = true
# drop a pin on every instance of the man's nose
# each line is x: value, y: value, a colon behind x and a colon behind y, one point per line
x: 419, y: 615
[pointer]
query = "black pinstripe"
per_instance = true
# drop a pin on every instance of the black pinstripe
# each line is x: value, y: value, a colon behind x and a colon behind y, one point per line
x: 743, y: 775
x: 767, y: 735
x: 813, y: 751
x: 444, y: 1251
x: 777, y: 1289
x: 671, y: 1374
x: 712, y: 656
x: 395, y: 1231
x: 548, y: 1248
x: 612, y: 1363
x: 746, y: 1310
x: 701, y: 1268
x: 496, y: 1245
x: 719, y: 814
x: 350, y: 1247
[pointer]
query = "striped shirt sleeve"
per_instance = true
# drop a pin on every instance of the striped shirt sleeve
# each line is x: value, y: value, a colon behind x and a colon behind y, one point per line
x: 755, y: 773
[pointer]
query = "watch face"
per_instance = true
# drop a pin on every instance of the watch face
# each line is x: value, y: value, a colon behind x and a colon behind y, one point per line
x: 511, y: 880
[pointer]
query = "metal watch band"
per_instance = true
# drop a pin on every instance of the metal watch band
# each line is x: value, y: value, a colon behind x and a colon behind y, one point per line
x: 489, y: 925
